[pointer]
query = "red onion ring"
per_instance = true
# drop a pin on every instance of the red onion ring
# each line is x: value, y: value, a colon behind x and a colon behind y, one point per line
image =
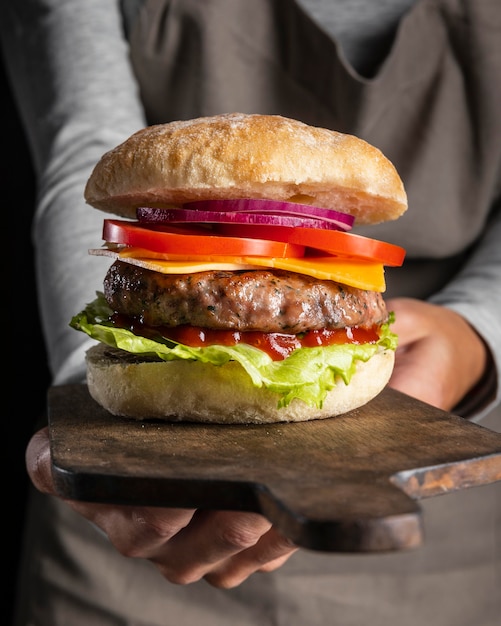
x: 250, y: 211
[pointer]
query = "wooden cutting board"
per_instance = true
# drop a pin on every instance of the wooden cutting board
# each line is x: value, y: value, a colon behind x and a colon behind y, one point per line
x: 344, y: 484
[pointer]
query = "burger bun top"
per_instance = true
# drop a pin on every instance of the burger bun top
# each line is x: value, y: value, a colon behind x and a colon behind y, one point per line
x: 239, y: 155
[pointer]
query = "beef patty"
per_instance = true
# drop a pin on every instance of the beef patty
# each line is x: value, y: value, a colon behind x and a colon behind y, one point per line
x: 264, y: 300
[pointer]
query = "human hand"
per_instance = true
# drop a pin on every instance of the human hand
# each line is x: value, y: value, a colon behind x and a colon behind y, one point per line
x: 439, y: 358
x: 186, y: 545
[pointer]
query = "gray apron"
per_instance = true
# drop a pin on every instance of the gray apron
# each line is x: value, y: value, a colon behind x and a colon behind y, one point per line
x: 268, y: 56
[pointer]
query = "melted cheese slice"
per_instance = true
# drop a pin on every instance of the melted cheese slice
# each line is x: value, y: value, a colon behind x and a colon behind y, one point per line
x: 356, y: 273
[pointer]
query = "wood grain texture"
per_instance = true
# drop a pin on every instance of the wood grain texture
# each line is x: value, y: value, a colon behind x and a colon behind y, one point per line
x: 344, y: 484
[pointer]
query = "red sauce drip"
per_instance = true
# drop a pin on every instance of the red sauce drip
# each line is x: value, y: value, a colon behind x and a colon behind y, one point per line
x: 277, y: 345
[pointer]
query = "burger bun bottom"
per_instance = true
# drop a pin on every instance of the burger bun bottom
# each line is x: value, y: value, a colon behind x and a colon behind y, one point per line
x: 191, y: 391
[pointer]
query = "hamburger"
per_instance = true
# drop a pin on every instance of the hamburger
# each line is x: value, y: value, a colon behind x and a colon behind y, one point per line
x: 237, y: 292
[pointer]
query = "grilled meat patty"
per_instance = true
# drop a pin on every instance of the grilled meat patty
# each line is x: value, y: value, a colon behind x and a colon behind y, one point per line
x: 264, y: 300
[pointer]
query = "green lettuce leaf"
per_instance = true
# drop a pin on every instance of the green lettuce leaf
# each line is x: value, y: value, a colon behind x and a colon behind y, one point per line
x: 307, y: 373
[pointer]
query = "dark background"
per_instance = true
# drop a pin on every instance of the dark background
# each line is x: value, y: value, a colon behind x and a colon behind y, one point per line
x: 24, y: 355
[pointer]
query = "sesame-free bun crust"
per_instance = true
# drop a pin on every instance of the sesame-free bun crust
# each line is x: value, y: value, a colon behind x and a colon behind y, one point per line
x: 191, y: 391
x: 247, y: 156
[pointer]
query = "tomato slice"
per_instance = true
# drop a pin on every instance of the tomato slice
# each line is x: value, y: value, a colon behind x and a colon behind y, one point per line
x: 334, y: 242
x: 349, y: 244
x: 195, y: 241
x: 269, y: 231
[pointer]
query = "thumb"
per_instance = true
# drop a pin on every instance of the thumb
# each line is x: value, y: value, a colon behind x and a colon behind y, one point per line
x: 38, y: 463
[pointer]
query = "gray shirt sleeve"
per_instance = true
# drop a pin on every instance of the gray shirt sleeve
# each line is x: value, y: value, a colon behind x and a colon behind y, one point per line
x: 68, y: 63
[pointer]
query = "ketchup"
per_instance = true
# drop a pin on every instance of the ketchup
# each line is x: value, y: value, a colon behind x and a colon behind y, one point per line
x: 277, y: 345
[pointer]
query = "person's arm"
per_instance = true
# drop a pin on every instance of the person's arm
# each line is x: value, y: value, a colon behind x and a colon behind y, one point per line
x: 68, y: 61
x: 68, y: 64
x: 475, y: 294
x: 450, y: 347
